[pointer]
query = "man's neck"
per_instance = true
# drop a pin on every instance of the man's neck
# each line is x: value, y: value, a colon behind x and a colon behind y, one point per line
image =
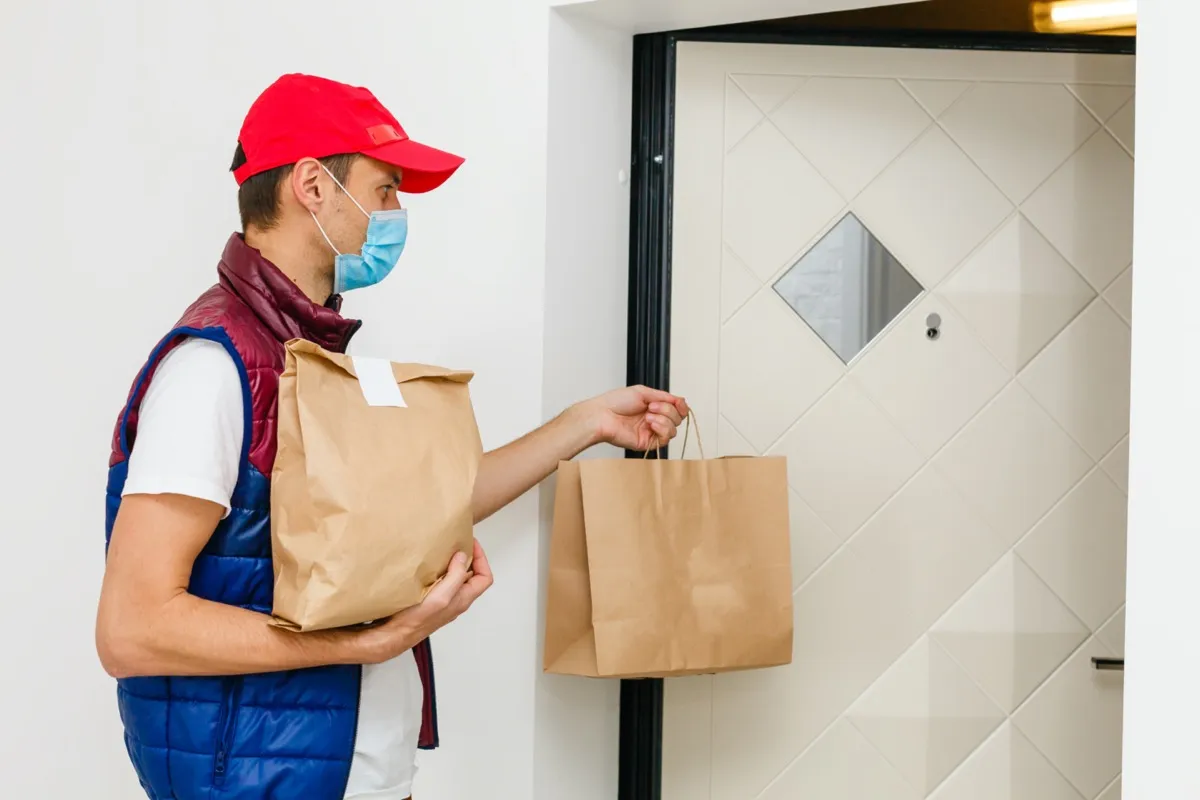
x: 295, y: 259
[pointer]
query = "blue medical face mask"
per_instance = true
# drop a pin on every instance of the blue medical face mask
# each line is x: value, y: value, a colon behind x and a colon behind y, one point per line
x: 387, y: 232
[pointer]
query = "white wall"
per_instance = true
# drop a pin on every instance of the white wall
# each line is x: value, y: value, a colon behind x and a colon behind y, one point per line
x: 641, y: 16
x: 587, y: 249
x: 1162, y: 684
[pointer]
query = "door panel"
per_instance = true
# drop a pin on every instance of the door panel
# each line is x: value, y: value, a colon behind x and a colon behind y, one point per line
x: 909, y: 272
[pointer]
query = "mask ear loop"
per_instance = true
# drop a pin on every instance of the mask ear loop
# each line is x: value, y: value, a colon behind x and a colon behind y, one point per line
x: 324, y: 235
x: 320, y: 227
x: 343, y: 188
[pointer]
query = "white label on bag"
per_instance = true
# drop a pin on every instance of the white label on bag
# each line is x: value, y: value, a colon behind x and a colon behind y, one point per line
x: 378, y: 383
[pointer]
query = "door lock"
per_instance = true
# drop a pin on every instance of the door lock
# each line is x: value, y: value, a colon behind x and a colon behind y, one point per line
x: 933, y: 326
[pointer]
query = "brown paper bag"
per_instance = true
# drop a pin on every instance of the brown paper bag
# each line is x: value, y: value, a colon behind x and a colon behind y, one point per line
x: 662, y: 568
x: 371, y: 488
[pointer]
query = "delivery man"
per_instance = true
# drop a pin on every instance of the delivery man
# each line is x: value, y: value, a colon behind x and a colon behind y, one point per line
x: 214, y: 702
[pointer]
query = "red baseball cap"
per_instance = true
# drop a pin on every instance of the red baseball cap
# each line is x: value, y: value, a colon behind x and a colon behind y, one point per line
x: 302, y: 116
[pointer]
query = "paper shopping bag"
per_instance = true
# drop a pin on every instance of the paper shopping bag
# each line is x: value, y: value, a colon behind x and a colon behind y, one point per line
x: 661, y: 568
x: 371, y: 488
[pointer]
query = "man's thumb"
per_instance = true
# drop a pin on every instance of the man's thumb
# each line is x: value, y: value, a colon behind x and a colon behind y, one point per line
x: 457, y: 572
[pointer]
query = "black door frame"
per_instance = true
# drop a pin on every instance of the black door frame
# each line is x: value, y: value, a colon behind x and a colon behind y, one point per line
x: 648, y: 356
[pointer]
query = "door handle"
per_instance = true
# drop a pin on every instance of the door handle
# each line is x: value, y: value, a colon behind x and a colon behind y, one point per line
x: 1112, y: 664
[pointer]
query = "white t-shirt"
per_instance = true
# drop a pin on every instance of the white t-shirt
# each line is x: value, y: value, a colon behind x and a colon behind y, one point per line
x: 189, y: 442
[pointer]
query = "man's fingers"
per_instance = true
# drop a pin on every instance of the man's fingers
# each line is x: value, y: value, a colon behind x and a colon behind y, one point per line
x: 652, y: 396
x: 449, y: 585
x: 655, y: 395
x: 477, y: 584
x: 480, y: 561
x: 663, y: 428
x: 470, y: 592
x: 667, y: 410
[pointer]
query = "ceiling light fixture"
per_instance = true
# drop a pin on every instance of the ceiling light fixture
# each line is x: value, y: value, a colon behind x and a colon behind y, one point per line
x: 1084, y: 16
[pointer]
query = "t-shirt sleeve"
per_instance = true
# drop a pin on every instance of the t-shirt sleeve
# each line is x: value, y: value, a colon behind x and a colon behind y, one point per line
x: 190, y: 426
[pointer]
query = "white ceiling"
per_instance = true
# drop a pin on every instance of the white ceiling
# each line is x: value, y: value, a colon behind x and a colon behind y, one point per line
x: 644, y: 16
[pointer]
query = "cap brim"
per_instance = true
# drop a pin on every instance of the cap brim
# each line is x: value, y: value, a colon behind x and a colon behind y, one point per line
x: 422, y: 168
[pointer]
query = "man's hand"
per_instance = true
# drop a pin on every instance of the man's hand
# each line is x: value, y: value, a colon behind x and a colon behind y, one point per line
x: 635, y: 418
x: 445, y: 602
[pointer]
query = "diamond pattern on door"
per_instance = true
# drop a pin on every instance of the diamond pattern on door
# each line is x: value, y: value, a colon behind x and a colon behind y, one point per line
x: 1009, y: 632
x: 1101, y: 99
x: 1120, y: 295
x: 1121, y: 125
x: 760, y: 394
x: 846, y: 434
x: 1116, y: 465
x: 1089, y: 359
x: 741, y: 114
x: 930, y: 388
x: 812, y: 541
x: 1113, y: 792
x: 768, y: 91
x: 763, y: 720
x: 1113, y: 633
x: 1014, y: 462
x: 1007, y: 766
x: 925, y: 715
x: 730, y: 442
x: 937, y: 95
x: 1095, y: 184
x: 932, y: 206
x: 953, y: 545
x: 1079, y: 549
x: 775, y: 202
x: 738, y: 285
x: 957, y: 499
x: 1017, y: 293
x: 841, y: 764
x: 850, y: 129
x: 1048, y: 121
x: 1075, y: 720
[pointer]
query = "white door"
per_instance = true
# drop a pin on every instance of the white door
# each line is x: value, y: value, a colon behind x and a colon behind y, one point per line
x: 909, y: 272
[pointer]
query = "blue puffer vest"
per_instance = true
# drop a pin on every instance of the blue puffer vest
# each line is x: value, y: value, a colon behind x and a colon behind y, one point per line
x: 275, y: 736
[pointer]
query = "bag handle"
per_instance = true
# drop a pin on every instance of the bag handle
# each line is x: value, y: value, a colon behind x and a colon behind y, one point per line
x: 687, y: 426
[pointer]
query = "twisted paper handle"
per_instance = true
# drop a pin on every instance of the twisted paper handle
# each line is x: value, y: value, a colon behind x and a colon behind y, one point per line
x: 657, y: 445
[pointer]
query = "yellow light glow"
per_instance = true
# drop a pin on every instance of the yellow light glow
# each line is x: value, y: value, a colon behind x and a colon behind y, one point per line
x: 1084, y: 16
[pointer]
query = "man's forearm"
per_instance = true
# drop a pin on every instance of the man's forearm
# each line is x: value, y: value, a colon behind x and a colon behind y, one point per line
x: 191, y: 636
x: 507, y: 473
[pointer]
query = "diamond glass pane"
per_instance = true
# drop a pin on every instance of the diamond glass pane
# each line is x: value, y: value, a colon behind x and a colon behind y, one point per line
x: 848, y: 287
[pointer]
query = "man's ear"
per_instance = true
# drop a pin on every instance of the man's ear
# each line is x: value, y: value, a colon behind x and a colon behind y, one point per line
x: 307, y: 184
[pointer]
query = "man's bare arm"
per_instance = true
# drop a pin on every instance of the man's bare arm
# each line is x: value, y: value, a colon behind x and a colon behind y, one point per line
x: 507, y: 473
x: 148, y: 623
x: 633, y: 418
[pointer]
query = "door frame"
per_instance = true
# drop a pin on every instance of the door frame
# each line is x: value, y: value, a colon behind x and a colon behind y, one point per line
x: 650, y: 231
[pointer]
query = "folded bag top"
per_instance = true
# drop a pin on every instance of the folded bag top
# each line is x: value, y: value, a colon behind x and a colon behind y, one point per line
x: 371, y: 487
x: 404, y: 372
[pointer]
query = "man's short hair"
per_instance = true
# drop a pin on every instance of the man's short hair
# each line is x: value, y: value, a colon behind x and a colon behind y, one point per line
x: 258, y: 196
